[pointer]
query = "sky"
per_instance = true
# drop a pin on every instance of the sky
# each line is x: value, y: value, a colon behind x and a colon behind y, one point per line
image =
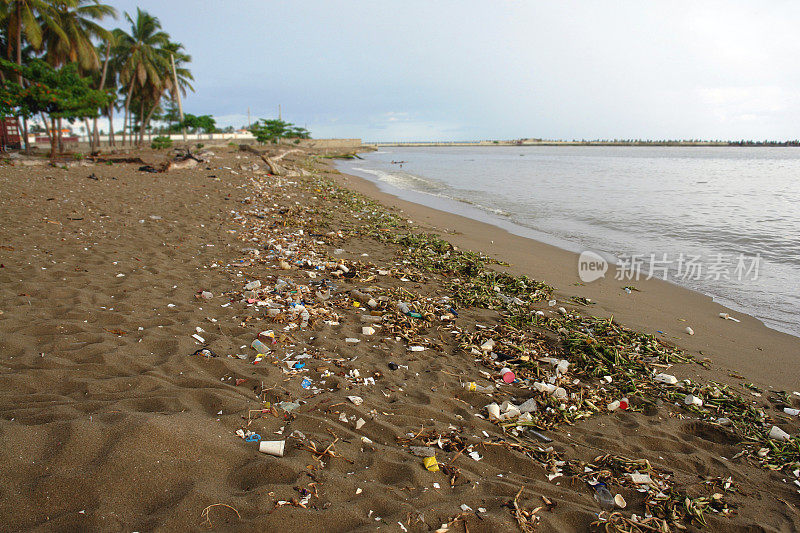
x: 499, y: 69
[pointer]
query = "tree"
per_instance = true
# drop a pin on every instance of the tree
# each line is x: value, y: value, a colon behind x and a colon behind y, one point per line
x: 205, y: 123
x: 26, y: 17
x: 272, y: 130
x: 73, y: 42
x: 140, y: 57
x: 61, y: 93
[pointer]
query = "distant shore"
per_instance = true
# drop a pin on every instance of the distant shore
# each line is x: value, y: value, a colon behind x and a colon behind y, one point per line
x: 541, y: 142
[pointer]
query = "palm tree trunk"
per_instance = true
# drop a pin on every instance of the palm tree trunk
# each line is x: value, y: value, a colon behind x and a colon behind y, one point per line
x: 111, y: 141
x: 141, y: 123
x: 150, y: 115
x: 19, y: 62
x: 95, y: 133
x: 60, y: 140
x: 53, y: 140
x: 89, y: 135
x: 127, y: 112
x: 46, y: 127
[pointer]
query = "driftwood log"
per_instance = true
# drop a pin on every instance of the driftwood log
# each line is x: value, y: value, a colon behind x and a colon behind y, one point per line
x: 273, y: 166
x: 183, y: 159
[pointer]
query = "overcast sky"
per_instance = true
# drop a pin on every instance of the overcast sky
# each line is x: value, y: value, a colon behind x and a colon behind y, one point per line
x: 499, y: 69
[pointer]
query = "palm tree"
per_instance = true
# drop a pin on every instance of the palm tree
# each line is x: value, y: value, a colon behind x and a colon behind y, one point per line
x: 74, y: 43
x: 139, y: 50
x: 105, y: 77
x: 26, y: 17
x: 183, y: 74
x: 172, y: 52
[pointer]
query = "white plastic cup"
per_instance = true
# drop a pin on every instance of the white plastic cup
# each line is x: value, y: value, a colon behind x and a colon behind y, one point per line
x: 272, y: 447
x: 494, y: 411
x: 666, y: 378
x: 528, y: 406
x: 544, y: 387
x: 778, y: 434
x: 691, y: 399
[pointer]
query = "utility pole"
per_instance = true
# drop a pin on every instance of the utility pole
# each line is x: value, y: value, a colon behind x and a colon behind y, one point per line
x: 178, y: 94
x: 249, y: 125
x: 279, y: 111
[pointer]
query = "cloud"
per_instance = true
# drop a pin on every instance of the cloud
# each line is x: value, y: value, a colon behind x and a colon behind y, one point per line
x: 749, y: 103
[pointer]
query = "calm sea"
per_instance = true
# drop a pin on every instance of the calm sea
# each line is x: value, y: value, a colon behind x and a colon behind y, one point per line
x: 723, y: 221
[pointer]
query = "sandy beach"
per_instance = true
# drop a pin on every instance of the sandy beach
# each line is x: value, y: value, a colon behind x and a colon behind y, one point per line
x: 113, y: 281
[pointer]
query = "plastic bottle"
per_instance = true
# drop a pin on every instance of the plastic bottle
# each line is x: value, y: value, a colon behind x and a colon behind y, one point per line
x: 259, y: 346
x: 603, y: 496
x: 253, y: 285
x: 474, y: 387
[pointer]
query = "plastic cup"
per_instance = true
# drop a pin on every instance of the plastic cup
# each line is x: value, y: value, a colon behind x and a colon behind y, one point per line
x: 507, y: 375
x: 272, y: 447
x: 691, y: 399
x: 778, y: 434
x: 431, y: 464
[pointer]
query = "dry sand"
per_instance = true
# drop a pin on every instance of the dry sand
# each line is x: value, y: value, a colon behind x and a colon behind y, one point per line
x: 109, y: 423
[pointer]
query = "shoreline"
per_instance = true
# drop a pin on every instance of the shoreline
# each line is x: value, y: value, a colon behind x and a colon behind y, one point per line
x: 481, y: 213
x: 701, y: 144
x: 658, y: 305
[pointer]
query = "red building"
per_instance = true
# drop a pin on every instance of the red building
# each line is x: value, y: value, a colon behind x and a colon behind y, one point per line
x: 9, y: 134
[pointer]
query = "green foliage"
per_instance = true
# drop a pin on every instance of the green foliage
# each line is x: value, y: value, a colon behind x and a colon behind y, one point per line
x: 160, y: 143
x: 194, y: 123
x: 61, y: 93
x: 273, y: 130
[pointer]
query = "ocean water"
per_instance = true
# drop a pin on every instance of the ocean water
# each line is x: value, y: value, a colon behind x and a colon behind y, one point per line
x: 721, y: 220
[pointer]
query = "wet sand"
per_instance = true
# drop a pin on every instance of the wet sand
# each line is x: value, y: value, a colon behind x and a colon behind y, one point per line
x: 768, y: 357
x: 110, y: 421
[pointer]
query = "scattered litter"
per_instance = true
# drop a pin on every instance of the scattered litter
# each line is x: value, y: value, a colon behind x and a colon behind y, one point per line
x: 272, y: 447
